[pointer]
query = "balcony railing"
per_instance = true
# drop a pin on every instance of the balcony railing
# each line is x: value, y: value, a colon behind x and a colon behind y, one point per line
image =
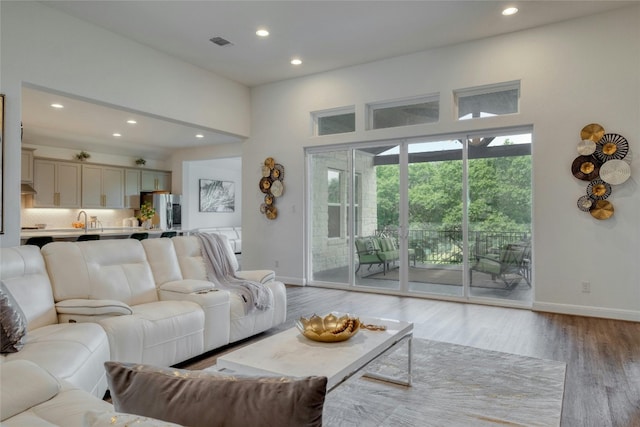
x: 445, y: 246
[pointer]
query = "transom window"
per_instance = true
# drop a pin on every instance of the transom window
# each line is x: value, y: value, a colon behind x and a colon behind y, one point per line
x: 487, y: 101
x: 329, y: 122
x: 406, y: 112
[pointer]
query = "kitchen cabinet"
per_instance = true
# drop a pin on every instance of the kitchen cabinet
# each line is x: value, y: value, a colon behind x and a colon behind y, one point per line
x: 155, y: 180
x: 132, y: 188
x: 26, y: 165
x: 102, y: 187
x: 57, y: 184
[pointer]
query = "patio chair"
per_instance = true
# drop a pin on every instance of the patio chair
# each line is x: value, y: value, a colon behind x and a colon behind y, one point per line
x: 379, y: 250
x: 511, y: 264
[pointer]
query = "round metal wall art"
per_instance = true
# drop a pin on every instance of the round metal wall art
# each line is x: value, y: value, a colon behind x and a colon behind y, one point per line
x: 585, y: 203
x: 611, y: 146
x: 604, y: 161
x: 271, y: 184
x: 602, y: 209
x: 592, y: 131
x: 585, y: 168
x: 586, y: 147
x: 598, y: 189
x: 615, y: 172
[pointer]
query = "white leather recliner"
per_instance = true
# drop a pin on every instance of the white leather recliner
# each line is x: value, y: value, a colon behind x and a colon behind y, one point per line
x: 72, y: 352
x: 88, y: 276
x: 243, y: 325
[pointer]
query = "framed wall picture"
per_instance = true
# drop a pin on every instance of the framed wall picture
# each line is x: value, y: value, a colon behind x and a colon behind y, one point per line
x: 217, y: 196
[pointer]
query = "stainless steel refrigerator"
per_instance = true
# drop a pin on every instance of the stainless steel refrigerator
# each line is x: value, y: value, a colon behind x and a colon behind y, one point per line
x: 168, y: 209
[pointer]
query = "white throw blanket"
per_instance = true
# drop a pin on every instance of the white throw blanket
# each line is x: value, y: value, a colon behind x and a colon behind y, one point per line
x: 220, y: 271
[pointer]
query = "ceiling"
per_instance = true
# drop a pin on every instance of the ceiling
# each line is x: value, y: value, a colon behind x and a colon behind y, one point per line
x: 325, y: 35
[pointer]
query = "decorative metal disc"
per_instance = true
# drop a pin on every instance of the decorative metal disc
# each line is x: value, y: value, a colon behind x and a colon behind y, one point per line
x: 269, y: 162
x: 602, y: 209
x: 611, y: 146
x: 265, y: 185
x: 598, y: 189
x: 586, y: 147
x: 263, y: 208
x: 585, y: 168
x: 266, y: 171
x: 615, y: 172
x: 277, y: 172
x: 271, y: 212
x: 268, y: 199
x: 592, y: 131
x: 585, y: 203
x: 277, y: 188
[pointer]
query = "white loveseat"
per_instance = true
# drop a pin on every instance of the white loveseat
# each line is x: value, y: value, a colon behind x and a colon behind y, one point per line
x: 89, y: 302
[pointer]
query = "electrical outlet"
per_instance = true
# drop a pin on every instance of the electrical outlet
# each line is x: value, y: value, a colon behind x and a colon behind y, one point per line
x: 276, y: 263
x: 586, y: 287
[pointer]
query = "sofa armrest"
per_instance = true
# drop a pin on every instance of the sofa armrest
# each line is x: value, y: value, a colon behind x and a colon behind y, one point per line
x: 93, y: 307
x: 24, y: 385
x: 260, y: 276
x: 187, y: 286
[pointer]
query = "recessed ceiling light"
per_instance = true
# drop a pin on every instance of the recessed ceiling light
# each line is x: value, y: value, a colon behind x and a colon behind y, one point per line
x: 116, y: 134
x: 262, y: 32
x: 510, y: 11
x: 131, y: 122
x: 296, y: 61
x: 57, y: 105
x: 199, y: 135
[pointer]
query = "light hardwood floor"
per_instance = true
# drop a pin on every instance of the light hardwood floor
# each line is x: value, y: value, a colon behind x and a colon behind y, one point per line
x: 602, y: 385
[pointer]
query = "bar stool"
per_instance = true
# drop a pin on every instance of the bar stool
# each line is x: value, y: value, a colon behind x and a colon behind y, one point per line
x: 168, y: 234
x: 139, y: 236
x: 83, y: 237
x: 39, y: 241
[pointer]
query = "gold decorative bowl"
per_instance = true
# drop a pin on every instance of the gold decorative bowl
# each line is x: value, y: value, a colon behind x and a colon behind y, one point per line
x: 331, y: 328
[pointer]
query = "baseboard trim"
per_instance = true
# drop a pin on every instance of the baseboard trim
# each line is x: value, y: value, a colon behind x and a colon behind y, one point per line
x: 589, y: 311
x: 291, y: 280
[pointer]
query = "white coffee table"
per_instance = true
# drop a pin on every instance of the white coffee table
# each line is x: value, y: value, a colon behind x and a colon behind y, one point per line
x: 288, y: 353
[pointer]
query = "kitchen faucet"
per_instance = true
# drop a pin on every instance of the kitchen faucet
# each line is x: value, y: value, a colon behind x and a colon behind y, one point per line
x: 85, y: 219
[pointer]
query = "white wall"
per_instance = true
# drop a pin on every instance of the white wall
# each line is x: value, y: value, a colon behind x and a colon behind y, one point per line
x: 572, y: 74
x: 229, y: 169
x: 44, y: 47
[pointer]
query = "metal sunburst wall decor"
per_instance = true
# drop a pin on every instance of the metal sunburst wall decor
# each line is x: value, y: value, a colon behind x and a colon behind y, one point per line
x: 604, y: 162
x: 272, y: 186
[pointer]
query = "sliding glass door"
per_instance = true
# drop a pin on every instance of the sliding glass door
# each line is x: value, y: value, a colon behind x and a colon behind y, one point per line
x: 445, y: 217
x: 435, y: 185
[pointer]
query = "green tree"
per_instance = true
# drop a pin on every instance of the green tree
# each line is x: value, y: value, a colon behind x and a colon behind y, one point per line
x: 499, y: 194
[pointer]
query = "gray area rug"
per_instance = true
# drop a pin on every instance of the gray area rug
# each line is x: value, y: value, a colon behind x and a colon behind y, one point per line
x: 453, y: 385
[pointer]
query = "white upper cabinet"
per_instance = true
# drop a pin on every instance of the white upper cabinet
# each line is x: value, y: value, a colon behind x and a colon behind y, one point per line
x: 57, y: 184
x: 155, y: 180
x: 26, y: 166
x: 132, y: 188
x: 102, y: 187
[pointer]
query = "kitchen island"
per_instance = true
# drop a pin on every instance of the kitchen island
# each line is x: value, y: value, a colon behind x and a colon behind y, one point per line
x: 71, y: 234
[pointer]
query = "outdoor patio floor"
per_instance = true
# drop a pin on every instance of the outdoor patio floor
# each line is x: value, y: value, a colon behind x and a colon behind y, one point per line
x: 431, y: 279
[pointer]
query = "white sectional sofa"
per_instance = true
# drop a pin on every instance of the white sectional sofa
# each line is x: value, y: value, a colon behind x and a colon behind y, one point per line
x: 125, y: 300
x: 32, y: 397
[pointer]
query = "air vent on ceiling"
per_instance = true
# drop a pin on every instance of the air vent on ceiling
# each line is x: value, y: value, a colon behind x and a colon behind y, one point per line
x: 220, y: 41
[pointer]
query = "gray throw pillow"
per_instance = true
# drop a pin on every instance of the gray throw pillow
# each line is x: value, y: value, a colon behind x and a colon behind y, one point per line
x: 13, y: 322
x: 211, y: 399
